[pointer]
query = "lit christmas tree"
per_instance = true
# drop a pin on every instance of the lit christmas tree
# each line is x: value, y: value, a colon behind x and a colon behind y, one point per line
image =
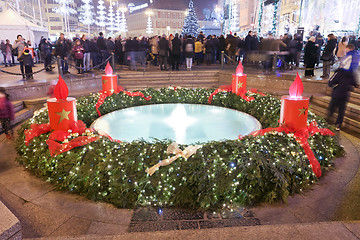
x: 234, y: 24
x: 123, y: 25
x: 65, y: 10
x: 111, y: 20
x: 101, y: 15
x: 118, y: 21
x: 87, y: 16
x: 191, y: 22
x: 149, y: 28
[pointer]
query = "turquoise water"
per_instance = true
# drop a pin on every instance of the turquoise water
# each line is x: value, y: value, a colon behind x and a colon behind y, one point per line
x: 183, y: 123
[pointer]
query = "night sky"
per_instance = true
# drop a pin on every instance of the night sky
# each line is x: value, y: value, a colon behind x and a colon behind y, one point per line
x: 199, y: 4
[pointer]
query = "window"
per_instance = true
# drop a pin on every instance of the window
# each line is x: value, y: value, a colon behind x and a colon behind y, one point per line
x: 54, y: 19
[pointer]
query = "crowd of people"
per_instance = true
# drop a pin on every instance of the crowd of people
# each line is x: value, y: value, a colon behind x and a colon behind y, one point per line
x: 173, y: 51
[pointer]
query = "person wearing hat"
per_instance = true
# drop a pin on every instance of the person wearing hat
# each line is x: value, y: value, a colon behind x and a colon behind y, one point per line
x: 310, y: 56
x: 18, y: 48
x: 6, y: 113
x: 28, y: 62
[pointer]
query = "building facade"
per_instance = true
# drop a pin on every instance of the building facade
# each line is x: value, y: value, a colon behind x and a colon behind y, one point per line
x: 163, y: 22
x: 247, y: 16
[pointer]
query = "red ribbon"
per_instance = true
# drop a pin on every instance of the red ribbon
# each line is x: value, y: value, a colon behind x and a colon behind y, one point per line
x: 105, y: 94
x: 301, y: 137
x: 56, y: 148
x: 228, y: 88
x: 35, y: 131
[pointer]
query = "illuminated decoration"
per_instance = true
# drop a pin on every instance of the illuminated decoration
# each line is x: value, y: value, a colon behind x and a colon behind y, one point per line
x: 123, y: 25
x: 65, y: 10
x: 239, y: 80
x: 111, y: 19
x: 234, y: 20
x: 255, y: 169
x: 101, y: 18
x: 135, y: 8
x: 358, y: 28
x: 109, y: 80
x: 275, y: 21
x: 191, y: 22
x: 260, y: 16
x: 294, y: 108
x: 87, y: 15
x: 118, y: 21
x: 62, y: 109
x: 149, y: 28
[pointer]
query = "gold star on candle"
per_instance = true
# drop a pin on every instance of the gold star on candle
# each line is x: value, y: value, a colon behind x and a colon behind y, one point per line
x: 240, y: 84
x: 104, y: 81
x: 302, y: 111
x: 63, y: 115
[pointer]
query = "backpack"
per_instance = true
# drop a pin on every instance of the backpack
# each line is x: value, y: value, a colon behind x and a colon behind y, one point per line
x: 15, y: 51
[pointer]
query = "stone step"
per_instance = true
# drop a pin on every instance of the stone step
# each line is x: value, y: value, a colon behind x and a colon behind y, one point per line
x: 18, y: 105
x: 352, y: 110
x: 21, y: 116
x: 349, y: 125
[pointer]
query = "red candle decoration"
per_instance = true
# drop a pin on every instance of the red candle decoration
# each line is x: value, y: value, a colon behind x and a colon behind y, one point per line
x: 62, y: 109
x: 239, y: 81
x: 294, y: 108
x: 109, y: 81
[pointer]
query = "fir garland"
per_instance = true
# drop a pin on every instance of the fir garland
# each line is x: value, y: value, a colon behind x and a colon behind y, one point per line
x: 222, y: 173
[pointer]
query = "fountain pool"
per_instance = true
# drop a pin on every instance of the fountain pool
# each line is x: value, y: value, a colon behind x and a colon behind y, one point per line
x: 183, y: 123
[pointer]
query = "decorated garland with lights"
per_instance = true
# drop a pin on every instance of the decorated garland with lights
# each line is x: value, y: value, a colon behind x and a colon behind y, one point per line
x: 259, y: 168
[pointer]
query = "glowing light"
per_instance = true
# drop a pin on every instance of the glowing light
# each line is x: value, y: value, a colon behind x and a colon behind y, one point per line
x: 296, y: 89
x: 179, y: 121
x: 108, y: 70
x: 61, y: 90
x: 239, y: 69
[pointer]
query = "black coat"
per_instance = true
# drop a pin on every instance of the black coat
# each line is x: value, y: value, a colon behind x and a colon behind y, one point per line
x: 85, y: 44
x: 328, y: 52
x: 342, y: 83
x: 163, y: 47
x: 61, y: 48
x: 189, y: 54
x: 100, y: 42
x: 247, y: 44
x: 310, y: 52
x: 176, y: 46
x: 26, y: 59
x: 222, y: 44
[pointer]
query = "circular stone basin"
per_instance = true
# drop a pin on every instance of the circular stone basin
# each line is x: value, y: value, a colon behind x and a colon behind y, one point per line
x: 183, y: 123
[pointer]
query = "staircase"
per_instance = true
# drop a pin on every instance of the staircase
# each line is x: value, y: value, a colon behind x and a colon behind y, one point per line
x: 22, y: 113
x: 320, y: 104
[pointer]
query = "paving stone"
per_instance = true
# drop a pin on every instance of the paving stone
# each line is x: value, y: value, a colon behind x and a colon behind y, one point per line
x: 354, y: 228
x: 153, y: 226
x: 145, y: 214
x: 228, y: 223
x: 181, y: 214
x: 189, y: 225
x: 73, y: 227
x: 100, y: 228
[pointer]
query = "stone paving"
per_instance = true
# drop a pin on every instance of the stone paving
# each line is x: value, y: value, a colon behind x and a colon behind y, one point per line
x: 45, y: 212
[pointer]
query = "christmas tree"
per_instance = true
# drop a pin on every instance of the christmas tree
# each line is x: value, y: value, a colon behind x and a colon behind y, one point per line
x: 191, y: 22
x: 118, y: 21
x: 101, y: 15
x: 65, y: 10
x: 87, y: 16
x: 123, y: 25
x: 149, y: 28
x: 111, y: 20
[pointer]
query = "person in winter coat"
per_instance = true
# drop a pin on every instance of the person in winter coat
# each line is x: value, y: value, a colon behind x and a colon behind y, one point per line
x: 176, y: 52
x: 328, y: 55
x: 20, y: 45
x: 341, y: 49
x: 231, y: 44
x: 87, y: 55
x: 163, y: 52
x: 45, y: 50
x: 319, y: 42
x: 342, y: 83
x: 6, y: 49
x: 28, y: 62
x: 199, y: 51
x: 119, y: 54
x: 94, y: 52
x: 6, y: 113
x: 142, y: 50
x: 61, y: 50
x: 78, y: 51
x: 247, y: 46
x: 295, y: 48
x: 104, y: 54
x: 154, y: 42
x: 310, y: 56
x: 189, y: 52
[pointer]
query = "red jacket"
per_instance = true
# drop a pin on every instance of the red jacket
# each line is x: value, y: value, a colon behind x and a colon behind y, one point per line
x: 78, y: 51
